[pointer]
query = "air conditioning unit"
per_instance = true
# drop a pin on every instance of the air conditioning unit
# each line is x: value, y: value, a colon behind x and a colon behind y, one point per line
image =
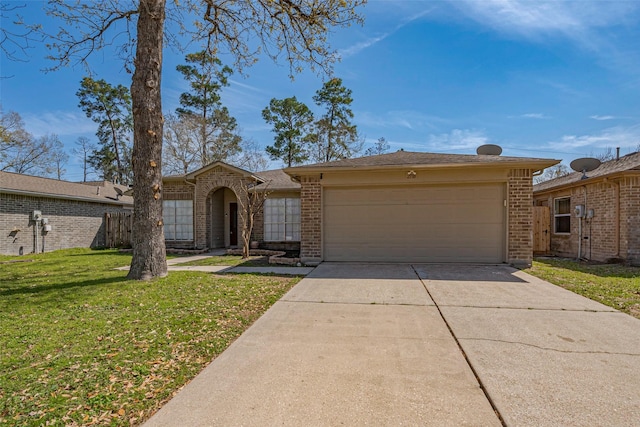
x: 579, y: 211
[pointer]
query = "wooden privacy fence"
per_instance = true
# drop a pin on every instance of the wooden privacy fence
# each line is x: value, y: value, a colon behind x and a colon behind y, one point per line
x: 117, y: 228
x: 541, y: 230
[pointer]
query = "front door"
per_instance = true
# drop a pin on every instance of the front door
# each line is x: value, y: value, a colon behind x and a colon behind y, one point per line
x: 233, y: 224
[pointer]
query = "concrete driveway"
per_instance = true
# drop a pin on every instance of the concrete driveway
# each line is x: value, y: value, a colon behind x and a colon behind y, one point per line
x: 397, y: 344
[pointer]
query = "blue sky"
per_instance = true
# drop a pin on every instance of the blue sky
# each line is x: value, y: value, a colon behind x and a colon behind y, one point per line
x: 542, y: 79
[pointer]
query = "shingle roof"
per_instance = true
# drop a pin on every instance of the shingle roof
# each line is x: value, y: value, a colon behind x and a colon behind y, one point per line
x: 630, y: 162
x: 102, y: 192
x: 277, y: 180
x: 408, y: 158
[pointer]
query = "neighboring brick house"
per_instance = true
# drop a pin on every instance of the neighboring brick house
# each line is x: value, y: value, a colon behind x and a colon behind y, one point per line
x: 73, y: 213
x: 609, y: 228
x: 397, y: 207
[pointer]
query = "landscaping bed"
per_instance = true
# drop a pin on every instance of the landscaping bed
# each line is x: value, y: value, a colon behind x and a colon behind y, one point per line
x: 274, y: 257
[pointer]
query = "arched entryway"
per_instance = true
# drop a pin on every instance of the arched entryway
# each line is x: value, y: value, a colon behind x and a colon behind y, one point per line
x: 222, y: 218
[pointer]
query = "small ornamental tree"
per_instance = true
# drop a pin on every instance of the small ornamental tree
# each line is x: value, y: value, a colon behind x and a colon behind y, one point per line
x: 250, y: 203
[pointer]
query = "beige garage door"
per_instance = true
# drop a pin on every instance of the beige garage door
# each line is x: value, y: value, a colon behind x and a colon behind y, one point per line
x: 462, y: 223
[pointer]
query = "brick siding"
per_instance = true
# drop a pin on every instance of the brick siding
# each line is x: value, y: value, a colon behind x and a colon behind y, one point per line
x: 205, y: 184
x: 630, y: 219
x: 310, y: 219
x: 612, y: 233
x: 520, y: 220
x: 74, y: 224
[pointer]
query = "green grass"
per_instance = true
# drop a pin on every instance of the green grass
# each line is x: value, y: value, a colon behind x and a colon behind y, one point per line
x: 232, y: 260
x: 81, y: 345
x: 617, y: 286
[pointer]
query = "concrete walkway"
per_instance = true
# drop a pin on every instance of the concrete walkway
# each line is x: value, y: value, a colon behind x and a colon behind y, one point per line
x: 422, y: 345
x: 175, y: 264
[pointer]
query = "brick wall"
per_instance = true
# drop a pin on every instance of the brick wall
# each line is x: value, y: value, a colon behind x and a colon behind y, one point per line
x: 311, y: 220
x: 614, y: 230
x: 630, y: 221
x: 206, y: 183
x: 258, y: 227
x: 599, y: 239
x: 74, y: 224
x: 520, y: 228
x: 176, y: 190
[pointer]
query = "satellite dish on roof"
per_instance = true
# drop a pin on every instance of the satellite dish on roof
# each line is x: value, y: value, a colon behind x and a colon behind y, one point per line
x: 584, y: 165
x: 489, y: 150
x: 119, y: 192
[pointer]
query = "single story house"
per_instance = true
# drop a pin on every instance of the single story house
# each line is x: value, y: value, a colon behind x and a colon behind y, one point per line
x: 396, y: 207
x: 595, y: 218
x: 41, y: 214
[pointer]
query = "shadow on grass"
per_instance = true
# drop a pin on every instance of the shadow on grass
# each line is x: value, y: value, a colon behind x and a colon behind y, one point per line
x: 601, y: 270
x: 101, y: 252
x: 30, y: 290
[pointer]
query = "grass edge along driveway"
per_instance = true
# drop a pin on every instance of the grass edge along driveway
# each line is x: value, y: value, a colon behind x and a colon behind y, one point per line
x: 81, y: 345
x: 614, y: 285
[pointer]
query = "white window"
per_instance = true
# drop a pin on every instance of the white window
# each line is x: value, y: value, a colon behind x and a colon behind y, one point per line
x: 562, y: 215
x: 282, y: 220
x: 178, y: 219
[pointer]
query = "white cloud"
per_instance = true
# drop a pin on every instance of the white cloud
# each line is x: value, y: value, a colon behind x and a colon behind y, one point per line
x: 532, y: 18
x: 457, y: 139
x: 360, y: 46
x: 61, y: 123
x: 624, y: 137
x: 406, y: 119
x: 534, y: 116
x: 591, y: 25
x: 596, y: 117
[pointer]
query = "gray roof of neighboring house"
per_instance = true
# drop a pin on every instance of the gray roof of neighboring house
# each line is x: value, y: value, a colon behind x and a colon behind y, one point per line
x: 100, y: 192
x: 630, y: 162
x: 415, y: 159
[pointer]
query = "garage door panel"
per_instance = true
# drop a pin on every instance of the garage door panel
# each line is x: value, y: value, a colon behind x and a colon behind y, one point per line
x: 415, y: 224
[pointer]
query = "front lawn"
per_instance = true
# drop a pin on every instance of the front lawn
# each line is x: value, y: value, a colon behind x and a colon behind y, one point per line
x: 81, y: 345
x: 233, y: 260
x: 617, y: 286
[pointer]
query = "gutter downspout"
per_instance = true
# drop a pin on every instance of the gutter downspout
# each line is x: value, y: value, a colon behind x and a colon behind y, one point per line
x: 195, y: 223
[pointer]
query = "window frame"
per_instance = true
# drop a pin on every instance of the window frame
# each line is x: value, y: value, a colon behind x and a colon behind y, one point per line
x: 175, y: 230
x: 287, y: 219
x: 557, y: 216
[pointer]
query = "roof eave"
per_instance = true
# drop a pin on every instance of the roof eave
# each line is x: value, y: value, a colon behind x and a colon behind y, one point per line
x: 65, y: 197
x: 534, y: 165
x: 589, y: 180
x: 192, y: 175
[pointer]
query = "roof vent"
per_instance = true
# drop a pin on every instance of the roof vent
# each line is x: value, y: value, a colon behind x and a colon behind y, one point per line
x: 489, y: 150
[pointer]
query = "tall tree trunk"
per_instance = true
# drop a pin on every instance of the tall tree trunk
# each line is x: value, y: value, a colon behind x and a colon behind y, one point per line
x: 149, y: 256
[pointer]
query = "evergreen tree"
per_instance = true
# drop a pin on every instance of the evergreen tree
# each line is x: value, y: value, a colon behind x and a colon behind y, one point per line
x: 216, y: 131
x: 110, y: 108
x: 291, y: 122
x: 335, y: 136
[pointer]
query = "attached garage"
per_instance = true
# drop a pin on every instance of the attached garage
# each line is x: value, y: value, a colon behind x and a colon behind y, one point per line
x: 431, y: 223
x: 419, y: 208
